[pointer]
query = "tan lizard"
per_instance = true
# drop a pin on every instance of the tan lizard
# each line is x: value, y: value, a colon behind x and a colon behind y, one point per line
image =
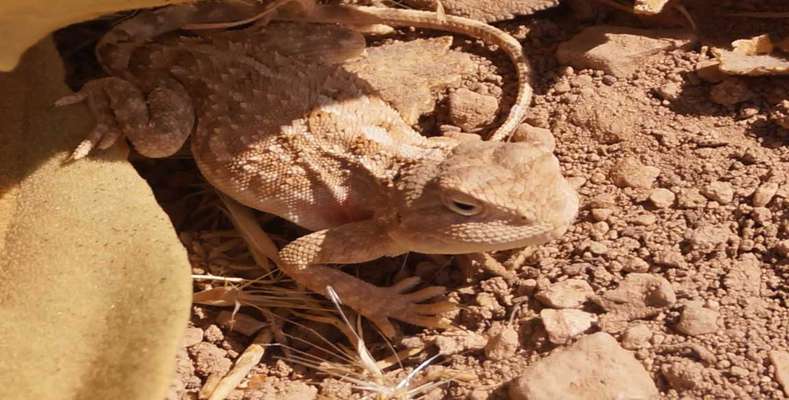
x: 278, y: 125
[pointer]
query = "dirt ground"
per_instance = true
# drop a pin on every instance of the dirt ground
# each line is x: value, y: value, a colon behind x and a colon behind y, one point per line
x: 680, y: 251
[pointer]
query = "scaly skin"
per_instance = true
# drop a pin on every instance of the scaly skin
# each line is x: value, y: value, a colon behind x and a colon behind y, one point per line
x: 279, y: 125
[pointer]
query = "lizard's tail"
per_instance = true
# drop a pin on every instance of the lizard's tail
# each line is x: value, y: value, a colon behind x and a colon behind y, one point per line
x: 362, y: 15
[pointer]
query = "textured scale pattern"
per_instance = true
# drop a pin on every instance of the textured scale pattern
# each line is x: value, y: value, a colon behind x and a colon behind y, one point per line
x: 290, y: 127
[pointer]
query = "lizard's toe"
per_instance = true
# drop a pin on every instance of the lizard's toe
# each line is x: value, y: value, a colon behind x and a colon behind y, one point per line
x: 426, y: 293
x: 391, y: 303
x: 106, y: 131
x: 406, y: 284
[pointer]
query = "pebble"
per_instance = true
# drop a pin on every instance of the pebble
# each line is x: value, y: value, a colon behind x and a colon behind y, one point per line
x: 601, y: 214
x: 458, y: 341
x: 595, y: 367
x: 540, y: 137
x: 730, y: 92
x: 639, y: 290
x: 697, y: 320
x: 213, y: 334
x: 503, y: 344
x: 738, y: 371
x: 635, y: 264
x: 598, y: 248
x: 669, y: 258
x: 630, y: 172
x: 192, y: 336
x: 764, y: 194
x: 563, y: 325
x: 708, y: 70
x: 570, y: 293
x: 782, y: 248
x: 691, y: 198
x: 683, y: 375
x: 662, y: 198
x: 470, y: 110
x: 722, y: 192
x: 745, y: 275
x: 780, y: 360
x: 670, y: 91
x: 707, y: 237
x: 645, y: 219
x: 636, y: 337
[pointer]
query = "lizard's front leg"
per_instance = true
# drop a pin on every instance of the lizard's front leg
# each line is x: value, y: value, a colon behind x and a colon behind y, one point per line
x: 355, y: 243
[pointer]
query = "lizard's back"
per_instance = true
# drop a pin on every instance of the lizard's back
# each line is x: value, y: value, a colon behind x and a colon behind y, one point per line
x: 282, y: 126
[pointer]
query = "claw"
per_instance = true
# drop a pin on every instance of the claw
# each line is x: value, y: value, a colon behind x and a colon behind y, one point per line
x: 68, y: 100
x: 426, y: 293
x: 384, y: 325
x: 434, y: 308
x: 405, y: 284
x: 427, y: 322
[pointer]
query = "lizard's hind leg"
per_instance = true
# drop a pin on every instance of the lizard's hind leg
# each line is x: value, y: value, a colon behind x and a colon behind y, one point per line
x: 157, y: 124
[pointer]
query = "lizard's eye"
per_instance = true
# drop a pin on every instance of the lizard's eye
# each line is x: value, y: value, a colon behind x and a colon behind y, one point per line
x: 463, y: 207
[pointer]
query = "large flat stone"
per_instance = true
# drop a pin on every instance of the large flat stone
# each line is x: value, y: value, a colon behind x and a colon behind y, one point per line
x: 593, y: 368
x: 616, y: 50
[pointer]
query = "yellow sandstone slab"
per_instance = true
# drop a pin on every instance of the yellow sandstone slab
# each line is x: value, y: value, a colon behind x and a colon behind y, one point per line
x: 94, y: 285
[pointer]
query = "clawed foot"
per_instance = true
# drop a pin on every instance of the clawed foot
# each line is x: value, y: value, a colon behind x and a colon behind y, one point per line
x: 157, y: 123
x: 103, y: 97
x: 393, y: 302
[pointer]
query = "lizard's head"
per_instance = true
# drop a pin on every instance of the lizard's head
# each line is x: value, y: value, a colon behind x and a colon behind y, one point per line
x: 486, y: 196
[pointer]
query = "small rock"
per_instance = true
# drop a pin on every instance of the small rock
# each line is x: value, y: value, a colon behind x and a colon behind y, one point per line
x: 630, y: 172
x: 192, y: 336
x: 780, y: 114
x: 618, y: 51
x: 747, y: 112
x: 598, y: 248
x: 563, y: 325
x: 669, y: 91
x: 691, y: 198
x: 478, y: 395
x: 697, y: 320
x: 738, y: 371
x: 683, y: 375
x: 745, y: 275
x: 762, y: 215
x: 595, y: 364
x: 669, y: 258
x: 634, y: 264
x: 764, y: 194
x: 209, y: 359
x: 562, y: 87
x: 601, y: 214
x: 503, y: 344
x: 709, y: 71
x: 470, y: 110
x: 708, y: 237
x: 662, y: 198
x: 782, y: 248
x: 780, y: 360
x: 539, y: 137
x: 570, y: 293
x: 645, y: 219
x: 730, y: 92
x: 722, y: 192
x: 639, y: 291
x: 213, y: 334
x: 457, y: 341
x: 636, y: 337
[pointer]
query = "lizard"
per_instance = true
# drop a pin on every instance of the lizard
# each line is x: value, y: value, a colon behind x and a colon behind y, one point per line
x: 282, y: 128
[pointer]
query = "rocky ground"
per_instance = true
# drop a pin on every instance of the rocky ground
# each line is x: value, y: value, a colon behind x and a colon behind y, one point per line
x: 671, y: 284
